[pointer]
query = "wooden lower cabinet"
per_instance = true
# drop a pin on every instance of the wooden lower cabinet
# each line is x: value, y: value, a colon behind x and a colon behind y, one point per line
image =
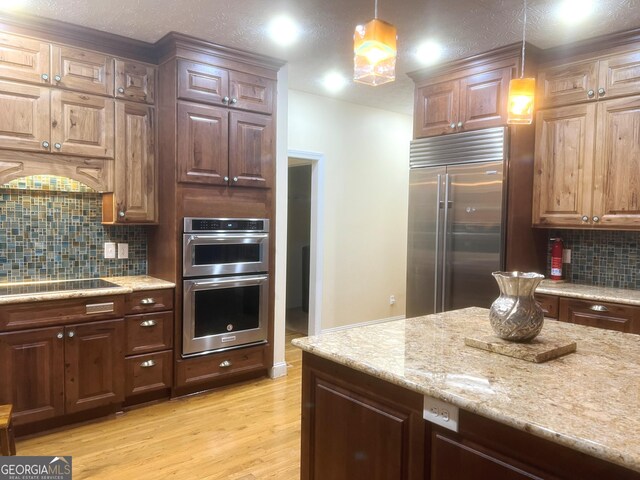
x: 610, y: 316
x: 549, y: 304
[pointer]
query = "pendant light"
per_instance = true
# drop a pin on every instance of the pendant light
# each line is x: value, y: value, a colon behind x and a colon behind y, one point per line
x: 521, y: 90
x: 374, y: 52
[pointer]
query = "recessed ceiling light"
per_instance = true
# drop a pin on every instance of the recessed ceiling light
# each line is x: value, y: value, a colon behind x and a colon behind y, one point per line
x: 284, y: 30
x: 429, y: 52
x: 574, y: 11
x: 334, y: 81
x: 12, y: 4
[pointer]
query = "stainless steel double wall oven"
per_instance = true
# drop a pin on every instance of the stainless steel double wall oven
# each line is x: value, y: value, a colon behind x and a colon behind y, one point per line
x: 225, y: 283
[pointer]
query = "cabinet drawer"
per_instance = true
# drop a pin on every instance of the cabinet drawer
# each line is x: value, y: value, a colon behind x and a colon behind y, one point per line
x: 549, y: 304
x: 149, y: 332
x: 150, y: 301
x: 611, y: 316
x: 209, y: 367
x: 147, y: 373
x: 20, y: 316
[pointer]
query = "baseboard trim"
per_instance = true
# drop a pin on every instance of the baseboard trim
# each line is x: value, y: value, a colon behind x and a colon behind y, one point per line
x: 363, y: 324
x: 278, y: 370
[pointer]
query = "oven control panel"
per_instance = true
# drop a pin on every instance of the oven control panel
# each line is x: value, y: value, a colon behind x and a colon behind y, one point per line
x: 193, y: 225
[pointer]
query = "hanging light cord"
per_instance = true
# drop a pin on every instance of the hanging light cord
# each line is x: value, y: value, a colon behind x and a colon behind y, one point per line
x: 375, y: 9
x: 524, y: 32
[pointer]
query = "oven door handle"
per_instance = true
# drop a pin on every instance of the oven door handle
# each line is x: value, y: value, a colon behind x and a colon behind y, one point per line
x: 252, y: 279
x: 226, y: 236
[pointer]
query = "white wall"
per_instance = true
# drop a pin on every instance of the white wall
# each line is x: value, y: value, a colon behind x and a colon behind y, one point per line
x: 365, y: 203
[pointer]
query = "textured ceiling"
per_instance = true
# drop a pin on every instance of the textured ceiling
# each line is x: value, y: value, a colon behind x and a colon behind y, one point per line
x: 464, y: 27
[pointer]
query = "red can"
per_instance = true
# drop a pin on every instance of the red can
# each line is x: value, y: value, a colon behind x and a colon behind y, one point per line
x: 556, y: 259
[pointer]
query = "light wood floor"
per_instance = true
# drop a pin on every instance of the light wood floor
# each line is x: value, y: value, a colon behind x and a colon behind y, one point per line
x: 245, y: 432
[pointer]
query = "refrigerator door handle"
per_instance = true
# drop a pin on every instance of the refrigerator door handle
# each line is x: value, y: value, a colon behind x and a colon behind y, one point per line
x: 440, y: 206
x: 448, y: 203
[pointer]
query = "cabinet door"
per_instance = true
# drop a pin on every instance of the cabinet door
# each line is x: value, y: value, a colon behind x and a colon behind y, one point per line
x: 24, y: 59
x: 202, y: 83
x: 135, y: 178
x: 94, y: 365
x: 610, y: 316
x: 616, y: 201
x: 549, y: 304
x: 567, y: 84
x: 135, y: 81
x: 24, y: 117
x: 32, y: 373
x: 483, y: 99
x: 563, y: 165
x: 82, y: 70
x: 620, y: 75
x: 203, y: 144
x: 251, y: 92
x: 82, y: 124
x: 436, y: 108
x: 251, y: 155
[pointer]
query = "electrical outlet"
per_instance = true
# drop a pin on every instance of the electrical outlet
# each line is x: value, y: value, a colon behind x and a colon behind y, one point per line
x: 566, y: 255
x: 123, y: 250
x: 109, y: 250
x: 392, y: 299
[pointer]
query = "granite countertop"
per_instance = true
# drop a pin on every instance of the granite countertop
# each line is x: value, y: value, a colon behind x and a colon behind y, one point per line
x: 122, y: 285
x: 589, y: 292
x: 588, y: 400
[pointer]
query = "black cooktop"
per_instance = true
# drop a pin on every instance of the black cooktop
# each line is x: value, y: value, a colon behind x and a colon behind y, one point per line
x: 26, y: 289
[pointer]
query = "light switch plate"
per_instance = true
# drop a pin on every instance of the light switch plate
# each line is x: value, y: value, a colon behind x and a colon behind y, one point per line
x: 109, y: 250
x: 123, y: 250
x: 441, y: 413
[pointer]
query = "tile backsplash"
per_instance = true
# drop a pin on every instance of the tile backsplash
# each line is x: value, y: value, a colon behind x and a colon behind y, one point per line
x: 50, y: 230
x: 598, y: 257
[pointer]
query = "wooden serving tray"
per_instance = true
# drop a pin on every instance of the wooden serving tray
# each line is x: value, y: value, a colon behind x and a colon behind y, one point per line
x: 538, y: 350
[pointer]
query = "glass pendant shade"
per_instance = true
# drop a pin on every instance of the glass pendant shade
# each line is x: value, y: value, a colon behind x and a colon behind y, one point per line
x: 374, y: 53
x: 520, y: 102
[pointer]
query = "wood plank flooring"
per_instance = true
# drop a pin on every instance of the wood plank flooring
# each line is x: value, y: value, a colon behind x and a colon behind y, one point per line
x: 245, y: 432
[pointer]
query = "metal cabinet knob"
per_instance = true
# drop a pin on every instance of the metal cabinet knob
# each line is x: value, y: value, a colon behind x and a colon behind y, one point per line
x: 235, y: 179
x: 225, y: 364
x: 598, y: 308
x: 121, y: 214
x: 148, y: 301
x: 225, y: 100
x: 148, y: 323
x: 596, y: 219
x: 233, y: 101
x: 459, y: 124
x: 60, y: 335
x: 71, y: 334
x: 585, y: 218
x: 57, y: 78
x: 148, y: 364
x: 453, y: 125
x: 226, y: 179
x: 44, y: 76
x: 45, y: 144
x: 590, y: 93
x: 120, y: 90
x: 601, y: 91
x: 58, y: 146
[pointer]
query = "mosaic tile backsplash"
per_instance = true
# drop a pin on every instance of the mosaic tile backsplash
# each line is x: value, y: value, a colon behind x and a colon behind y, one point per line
x: 602, y: 258
x: 57, y: 235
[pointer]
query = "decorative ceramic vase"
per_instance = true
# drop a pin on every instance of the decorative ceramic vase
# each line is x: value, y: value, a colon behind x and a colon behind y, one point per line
x: 515, y: 315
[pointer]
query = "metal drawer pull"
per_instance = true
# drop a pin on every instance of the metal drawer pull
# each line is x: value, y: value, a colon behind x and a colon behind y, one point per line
x: 148, y: 364
x: 99, y: 308
x: 148, y: 323
x: 225, y: 364
x: 148, y: 301
x: 598, y: 308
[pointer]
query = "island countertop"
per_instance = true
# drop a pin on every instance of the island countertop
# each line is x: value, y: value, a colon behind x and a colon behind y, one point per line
x: 588, y: 400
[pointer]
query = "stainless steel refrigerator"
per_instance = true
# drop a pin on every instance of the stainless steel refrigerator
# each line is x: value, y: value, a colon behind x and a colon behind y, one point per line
x: 456, y: 220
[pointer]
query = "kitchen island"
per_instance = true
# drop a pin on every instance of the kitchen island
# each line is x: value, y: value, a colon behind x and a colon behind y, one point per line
x: 577, y: 416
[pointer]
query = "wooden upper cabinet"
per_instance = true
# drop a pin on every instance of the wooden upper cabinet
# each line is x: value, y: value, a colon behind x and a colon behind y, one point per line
x: 24, y: 59
x: 135, y: 81
x: 567, y: 84
x: 203, y: 138
x: 251, y: 92
x: 202, y: 83
x: 436, y: 108
x: 134, y: 194
x: 617, y: 173
x: 251, y: 152
x: 24, y: 121
x: 563, y: 165
x: 32, y: 373
x: 620, y: 75
x: 82, y: 70
x: 82, y: 124
x: 94, y: 365
x: 483, y: 99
